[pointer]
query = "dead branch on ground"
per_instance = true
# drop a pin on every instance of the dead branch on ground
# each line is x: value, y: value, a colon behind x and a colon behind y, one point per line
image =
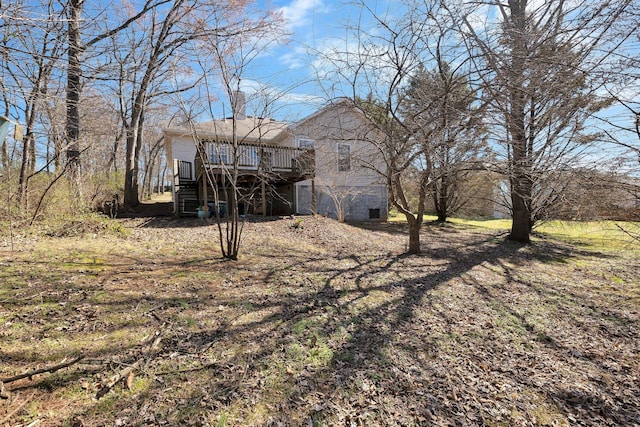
x: 127, y: 373
x: 16, y: 409
x: 49, y: 369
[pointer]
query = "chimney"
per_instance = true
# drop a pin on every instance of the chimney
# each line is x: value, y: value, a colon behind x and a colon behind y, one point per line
x: 240, y: 105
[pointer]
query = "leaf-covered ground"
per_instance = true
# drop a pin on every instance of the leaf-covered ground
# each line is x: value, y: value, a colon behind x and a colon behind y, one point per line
x: 317, y: 324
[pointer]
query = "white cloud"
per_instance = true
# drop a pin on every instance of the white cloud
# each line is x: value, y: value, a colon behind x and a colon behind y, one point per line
x: 292, y: 60
x: 271, y: 101
x: 299, y: 13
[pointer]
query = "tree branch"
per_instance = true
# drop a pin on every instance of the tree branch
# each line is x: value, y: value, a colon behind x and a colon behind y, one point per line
x: 49, y: 369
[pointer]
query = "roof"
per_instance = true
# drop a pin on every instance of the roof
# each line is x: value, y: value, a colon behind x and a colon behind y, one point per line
x: 251, y: 129
x: 338, y: 102
x: 255, y: 129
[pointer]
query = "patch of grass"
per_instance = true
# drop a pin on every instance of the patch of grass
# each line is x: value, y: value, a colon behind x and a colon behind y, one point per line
x: 91, y: 224
x: 222, y: 420
x: 485, y: 224
x: 618, y: 280
x: 106, y: 405
x: 305, y: 326
x: 609, y: 235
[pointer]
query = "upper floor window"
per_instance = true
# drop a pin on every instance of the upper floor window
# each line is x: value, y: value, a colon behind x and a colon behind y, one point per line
x: 344, y: 157
x: 305, y: 143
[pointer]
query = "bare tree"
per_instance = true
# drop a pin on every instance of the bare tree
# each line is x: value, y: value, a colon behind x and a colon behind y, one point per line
x: 227, y: 53
x: 539, y: 64
x: 378, y: 72
x: 79, y: 25
x: 30, y: 54
x: 160, y: 37
x: 439, y: 109
x: 159, y: 48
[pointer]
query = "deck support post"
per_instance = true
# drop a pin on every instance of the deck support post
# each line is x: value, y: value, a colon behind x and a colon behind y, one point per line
x: 314, y: 198
x: 205, y: 199
x: 263, y: 186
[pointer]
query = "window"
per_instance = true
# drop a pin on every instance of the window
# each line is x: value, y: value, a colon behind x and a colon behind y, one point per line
x: 305, y: 143
x: 344, y: 157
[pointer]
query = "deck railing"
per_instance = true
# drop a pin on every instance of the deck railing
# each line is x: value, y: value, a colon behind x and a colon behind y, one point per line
x: 185, y: 172
x: 182, y: 173
x: 267, y: 158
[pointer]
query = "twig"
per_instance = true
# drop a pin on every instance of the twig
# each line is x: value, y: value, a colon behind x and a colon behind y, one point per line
x: 4, y: 301
x: 184, y: 370
x: 153, y: 349
x: 49, y: 369
x: 4, y: 394
x: 20, y: 406
x: 628, y: 233
x: 106, y: 386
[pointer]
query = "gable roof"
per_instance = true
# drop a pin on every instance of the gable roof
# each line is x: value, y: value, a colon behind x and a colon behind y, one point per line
x: 256, y: 129
x: 335, y: 103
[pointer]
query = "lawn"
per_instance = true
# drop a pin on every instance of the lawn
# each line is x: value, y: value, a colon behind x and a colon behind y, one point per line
x: 320, y: 324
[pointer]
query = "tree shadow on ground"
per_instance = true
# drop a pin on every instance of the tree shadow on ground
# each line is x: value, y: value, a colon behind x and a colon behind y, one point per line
x: 448, y: 337
x: 377, y: 371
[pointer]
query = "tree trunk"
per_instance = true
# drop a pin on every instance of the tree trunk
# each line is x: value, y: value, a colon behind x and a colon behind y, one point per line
x: 520, y: 165
x: 521, y: 222
x: 147, y: 179
x: 161, y: 181
x: 57, y: 153
x: 443, y: 196
x: 232, y: 238
x: 73, y: 85
x: 32, y: 156
x: 5, y: 156
x: 158, y: 176
x: 133, y: 146
x: 521, y: 185
x: 131, y: 195
x: 112, y: 164
x: 25, y: 169
x: 414, y: 235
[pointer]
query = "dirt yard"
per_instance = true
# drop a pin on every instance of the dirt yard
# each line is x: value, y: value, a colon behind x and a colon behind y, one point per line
x: 317, y: 324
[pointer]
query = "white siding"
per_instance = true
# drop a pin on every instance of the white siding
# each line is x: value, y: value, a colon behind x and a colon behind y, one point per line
x: 362, y: 187
x: 337, y: 126
x: 184, y: 149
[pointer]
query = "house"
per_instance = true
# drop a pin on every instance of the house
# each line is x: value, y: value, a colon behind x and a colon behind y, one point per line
x: 323, y: 164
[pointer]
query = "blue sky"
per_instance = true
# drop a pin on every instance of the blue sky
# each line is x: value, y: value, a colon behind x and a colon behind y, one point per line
x: 317, y: 26
x: 288, y: 68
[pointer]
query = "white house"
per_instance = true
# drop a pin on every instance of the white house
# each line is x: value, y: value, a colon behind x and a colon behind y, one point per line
x: 325, y: 163
x: 349, y: 178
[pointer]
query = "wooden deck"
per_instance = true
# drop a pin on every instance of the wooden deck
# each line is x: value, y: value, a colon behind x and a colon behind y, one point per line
x: 275, y: 166
x: 259, y: 158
